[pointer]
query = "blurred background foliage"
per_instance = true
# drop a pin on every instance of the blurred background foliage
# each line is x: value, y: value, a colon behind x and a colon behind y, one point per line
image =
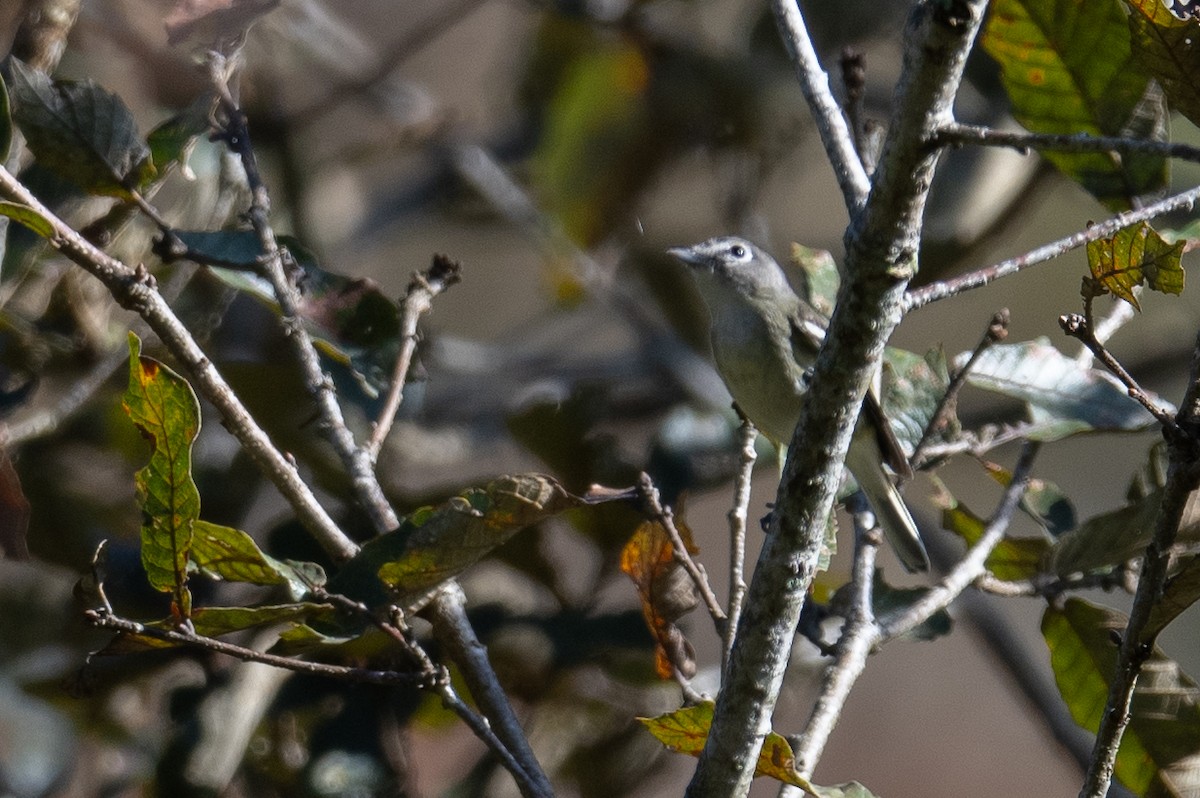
x: 554, y: 148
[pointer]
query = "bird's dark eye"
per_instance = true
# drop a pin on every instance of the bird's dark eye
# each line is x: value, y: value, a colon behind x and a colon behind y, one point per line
x: 737, y: 251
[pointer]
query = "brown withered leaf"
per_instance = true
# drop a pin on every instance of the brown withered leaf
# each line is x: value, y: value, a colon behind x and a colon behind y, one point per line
x: 666, y: 591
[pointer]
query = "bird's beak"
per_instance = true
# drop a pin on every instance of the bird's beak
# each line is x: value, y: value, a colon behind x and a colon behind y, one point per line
x: 686, y: 254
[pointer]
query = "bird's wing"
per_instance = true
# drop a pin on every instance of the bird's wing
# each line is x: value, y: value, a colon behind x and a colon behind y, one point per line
x: 808, y: 331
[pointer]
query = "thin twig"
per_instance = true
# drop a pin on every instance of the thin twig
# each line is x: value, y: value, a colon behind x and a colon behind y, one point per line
x: 738, y: 515
x: 981, y: 441
x: 1079, y: 326
x: 854, y: 81
x: 973, y: 564
x: 976, y: 279
x: 680, y: 552
x: 104, y: 620
x: 454, y: 632
x: 1183, y: 476
x: 450, y: 614
x: 1104, y: 329
x: 423, y: 287
x: 858, y: 638
x: 814, y: 84
x: 1049, y: 588
x: 956, y: 134
x: 236, y: 134
x: 996, y: 332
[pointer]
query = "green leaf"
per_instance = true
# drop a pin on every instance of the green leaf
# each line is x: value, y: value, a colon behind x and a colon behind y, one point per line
x: 1013, y: 559
x: 1164, y: 45
x: 1181, y: 591
x: 1063, y: 398
x: 171, y: 143
x: 165, y: 410
x: 913, y: 385
x: 1136, y: 255
x: 231, y: 554
x: 350, y: 319
x: 1043, y: 501
x: 81, y: 132
x: 1068, y: 69
x: 819, y: 277
x: 1113, y: 538
x: 217, y: 621
x: 1164, y: 725
x: 436, y: 543
x: 28, y: 217
x: 686, y: 729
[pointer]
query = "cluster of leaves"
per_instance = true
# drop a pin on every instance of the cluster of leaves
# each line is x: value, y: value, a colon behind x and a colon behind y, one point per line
x: 1111, y: 68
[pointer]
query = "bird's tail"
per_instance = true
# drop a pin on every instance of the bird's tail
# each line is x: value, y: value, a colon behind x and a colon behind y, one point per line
x: 866, y: 463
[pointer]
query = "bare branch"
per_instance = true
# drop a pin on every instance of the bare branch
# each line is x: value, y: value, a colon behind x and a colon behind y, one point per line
x: 102, y: 619
x: 358, y: 465
x: 881, y: 247
x: 1079, y: 327
x: 972, y: 566
x: 423, y: 287
x: 737, y: 536
x: 981, y: 277
x: 956, y: 135
x: 814, y: 83
x: 679, y: 551
x: 454, y: 632
x: 1183, y: 477
x: 858, y: 638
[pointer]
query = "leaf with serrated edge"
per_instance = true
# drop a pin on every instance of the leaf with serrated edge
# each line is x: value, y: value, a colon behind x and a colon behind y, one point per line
x: 1063, y: 398
x: 80, y: 131
x: 1067, y: 68
x: 1164, y: 724
x: 1136, y: 255
x: 685, y: 730
x: 165, y: 410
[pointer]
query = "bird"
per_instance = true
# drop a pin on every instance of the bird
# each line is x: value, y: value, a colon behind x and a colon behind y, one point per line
x: 764, y: 341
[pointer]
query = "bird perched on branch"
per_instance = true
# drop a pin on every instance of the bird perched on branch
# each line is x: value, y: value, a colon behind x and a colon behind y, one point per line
x: 764, y: 339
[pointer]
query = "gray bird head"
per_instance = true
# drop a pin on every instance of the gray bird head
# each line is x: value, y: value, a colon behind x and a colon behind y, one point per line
x: 731, y: 264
